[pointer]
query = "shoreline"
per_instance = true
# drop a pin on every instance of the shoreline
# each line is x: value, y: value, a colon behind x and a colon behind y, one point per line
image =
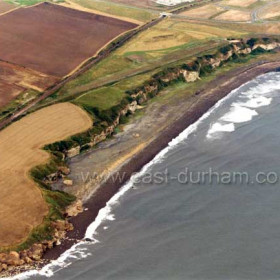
x: 207, y: 99
x: 204, y: 99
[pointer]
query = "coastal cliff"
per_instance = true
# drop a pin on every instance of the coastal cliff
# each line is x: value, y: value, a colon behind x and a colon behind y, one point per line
x: 108, y: 120
x: 105, y: 123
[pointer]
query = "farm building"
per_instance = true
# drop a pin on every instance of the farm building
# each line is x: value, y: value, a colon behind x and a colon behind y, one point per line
x: 171, y: 2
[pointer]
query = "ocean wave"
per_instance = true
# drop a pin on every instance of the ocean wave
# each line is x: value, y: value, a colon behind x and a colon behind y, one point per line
x: 239, y: 114
x: 106, y: 214
x: 258, y: 102
x: 259, y: 94
x: 261, y: 88
x: 219, y: 127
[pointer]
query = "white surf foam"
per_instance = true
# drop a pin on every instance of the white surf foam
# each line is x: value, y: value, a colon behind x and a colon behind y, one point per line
x: 239, y: 114
x: 258, y: 102
x: 219, y: 127
x: 262, y: 89
x: 257, y: 96
x: 80, y: 250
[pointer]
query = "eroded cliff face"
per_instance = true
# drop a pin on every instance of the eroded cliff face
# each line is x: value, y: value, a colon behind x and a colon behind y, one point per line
x: 267, y: 47
x: 132, y: 107
x: 189, y: 75
x: 26, y: 259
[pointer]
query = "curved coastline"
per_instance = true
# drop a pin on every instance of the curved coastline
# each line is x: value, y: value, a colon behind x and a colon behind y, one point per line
x: 88, y: 221
x: 216, y: 90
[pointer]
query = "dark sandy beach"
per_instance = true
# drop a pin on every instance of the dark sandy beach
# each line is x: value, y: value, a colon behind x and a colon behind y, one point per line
x: 205, y: 99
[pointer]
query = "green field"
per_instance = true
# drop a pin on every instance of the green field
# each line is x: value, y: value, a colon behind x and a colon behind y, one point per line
x: 106, y: 97
x: 103, y: 98
x: 19, y: 102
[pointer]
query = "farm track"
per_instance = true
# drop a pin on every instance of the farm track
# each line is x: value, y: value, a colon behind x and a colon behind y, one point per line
x: 208, y: 20
x: 194, y: 6
x: 155, y: 9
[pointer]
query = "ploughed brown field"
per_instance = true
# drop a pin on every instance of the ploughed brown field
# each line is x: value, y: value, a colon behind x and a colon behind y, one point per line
x: 53, y: 39
x: 22, y: 206
x: 8, y: 92
x: 15, y: 80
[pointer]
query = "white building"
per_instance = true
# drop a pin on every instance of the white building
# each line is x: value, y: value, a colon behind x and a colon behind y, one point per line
x: 172, y: 2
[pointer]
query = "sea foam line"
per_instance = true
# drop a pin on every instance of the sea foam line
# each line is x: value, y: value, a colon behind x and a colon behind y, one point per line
x: 77, y: 251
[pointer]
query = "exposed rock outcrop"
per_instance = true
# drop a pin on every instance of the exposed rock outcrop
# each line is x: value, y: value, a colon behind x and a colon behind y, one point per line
x: 74, y: 209
x: 267, y: 47
x: 68, y: 182
x: 34, y: 254
x: 73, y: 152
x: 190, y: 76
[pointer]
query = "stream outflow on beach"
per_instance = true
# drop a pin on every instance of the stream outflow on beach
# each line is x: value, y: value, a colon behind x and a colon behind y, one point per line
x: 207, y: 207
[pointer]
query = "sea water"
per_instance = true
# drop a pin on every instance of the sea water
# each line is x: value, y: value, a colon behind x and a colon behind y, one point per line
x: 170, y: 222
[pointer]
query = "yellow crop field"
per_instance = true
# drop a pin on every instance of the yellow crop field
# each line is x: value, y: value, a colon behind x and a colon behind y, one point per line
x: 234, y: 15
x: 22, y: 206
x: 239, y: 3
x: 172, y: 33
x: 204, y: 12
x: 271, y: 11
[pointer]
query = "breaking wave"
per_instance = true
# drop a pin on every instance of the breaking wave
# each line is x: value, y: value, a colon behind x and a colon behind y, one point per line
x: 259, y: 94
